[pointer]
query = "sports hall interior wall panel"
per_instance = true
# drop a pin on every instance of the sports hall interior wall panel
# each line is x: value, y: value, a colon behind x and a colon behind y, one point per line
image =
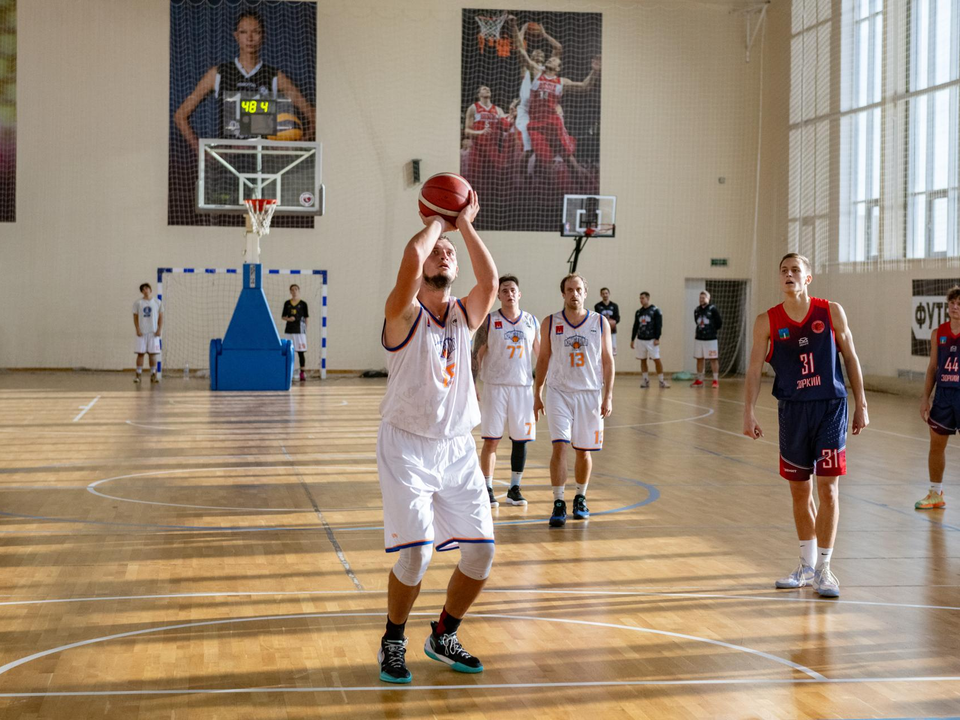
x: 679, y: 111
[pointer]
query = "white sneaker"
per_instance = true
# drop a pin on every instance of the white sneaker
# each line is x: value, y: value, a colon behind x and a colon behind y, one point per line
x: 664, y: 384
x: 801, y: 577
x: 645, y: 383
x: 826, y: 583
x: 136, y: 378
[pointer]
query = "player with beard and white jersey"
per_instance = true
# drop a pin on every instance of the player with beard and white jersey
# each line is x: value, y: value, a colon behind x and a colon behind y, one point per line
x: 576, y: 363
x: 430, y: 479
x: 507, y: 341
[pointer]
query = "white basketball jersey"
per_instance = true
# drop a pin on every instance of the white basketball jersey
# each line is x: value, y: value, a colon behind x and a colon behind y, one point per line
x: 430, y: 390
x: 509, y: 356
x: 575, y: 353
x: 525, y: 86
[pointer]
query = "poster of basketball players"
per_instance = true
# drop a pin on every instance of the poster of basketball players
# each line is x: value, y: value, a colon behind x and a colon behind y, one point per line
x: 8, y: 110
x: 221, y: 52
x: 530, y: 113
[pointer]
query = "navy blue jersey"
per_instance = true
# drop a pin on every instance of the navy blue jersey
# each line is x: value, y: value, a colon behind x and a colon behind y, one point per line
x: 804, y: 355
x: 948, y: 357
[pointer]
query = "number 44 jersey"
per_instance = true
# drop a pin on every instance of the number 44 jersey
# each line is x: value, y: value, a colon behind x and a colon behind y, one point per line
x: 804, y: 355
x: 948, y: 357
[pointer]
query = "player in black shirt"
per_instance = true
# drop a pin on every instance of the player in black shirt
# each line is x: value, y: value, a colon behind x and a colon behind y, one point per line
x: 647, y: 326
x: 611, y: 311
x: 246, y: 73
x: 708, y: 321
x: 295, y: 314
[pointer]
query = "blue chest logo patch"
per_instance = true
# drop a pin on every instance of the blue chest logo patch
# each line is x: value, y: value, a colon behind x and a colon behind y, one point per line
x: 784, y: 333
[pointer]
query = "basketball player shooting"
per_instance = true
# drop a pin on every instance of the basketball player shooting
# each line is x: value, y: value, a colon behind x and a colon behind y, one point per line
x: 803, y: 339
x: 430, y: 479
x: 246, y: 73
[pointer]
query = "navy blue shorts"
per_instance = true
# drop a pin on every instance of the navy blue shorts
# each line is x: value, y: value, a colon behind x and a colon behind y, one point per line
x: 813, y: 438
x: 945, y: 411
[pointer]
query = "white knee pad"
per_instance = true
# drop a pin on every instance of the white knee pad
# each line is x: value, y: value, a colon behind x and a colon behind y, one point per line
x: 412, y: 563
x: 476, y: 559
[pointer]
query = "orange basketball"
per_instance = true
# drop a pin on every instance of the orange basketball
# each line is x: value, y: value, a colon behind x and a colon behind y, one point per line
x: 444, y: 194
x: 533, y: 30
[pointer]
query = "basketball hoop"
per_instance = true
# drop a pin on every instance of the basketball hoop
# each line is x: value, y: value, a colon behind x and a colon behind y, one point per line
x: 261, y: 211
x: 490, y: 27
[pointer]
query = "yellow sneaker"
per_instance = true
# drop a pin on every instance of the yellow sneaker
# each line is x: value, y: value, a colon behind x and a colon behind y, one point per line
x: 933, y: 501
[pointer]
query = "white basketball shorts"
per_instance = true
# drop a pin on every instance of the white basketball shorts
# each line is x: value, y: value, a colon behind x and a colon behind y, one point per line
x: 646, y: 349
x: 705, y: 349
x: 146, y: 343
x: 510, y: 405
x: 299, y: 341
x: 575, y: 418
x: 433, y: 491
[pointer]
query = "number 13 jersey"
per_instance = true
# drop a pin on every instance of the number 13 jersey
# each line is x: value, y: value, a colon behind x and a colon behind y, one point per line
x: 804, y: 355
x: 575, y: 353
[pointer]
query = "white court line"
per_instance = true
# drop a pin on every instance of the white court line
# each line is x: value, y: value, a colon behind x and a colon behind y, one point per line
x: 730, y: 432
x: 306, y: 616
x: 84, y: 408
x: 492, y: 686
x: 708, y: 413
x: 290, y: 468
x: 486, y: 591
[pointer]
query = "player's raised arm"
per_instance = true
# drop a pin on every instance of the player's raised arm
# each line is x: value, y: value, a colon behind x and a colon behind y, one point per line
x: 401, y: 307
x: 851, y: 362
x: 555, y: 46
x: 543, y: 362
x: 586, y: 84
x: 286, y: 87
x: 481, y: 298
x: 930, y: 380
x: 751, y: 384
x: 525, y: 60
x: 609, y: 370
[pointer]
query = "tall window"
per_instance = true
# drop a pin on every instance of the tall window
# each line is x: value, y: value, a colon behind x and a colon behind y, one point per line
x: 932, y: 228
x: 860, y: 129
x: 809, y: 194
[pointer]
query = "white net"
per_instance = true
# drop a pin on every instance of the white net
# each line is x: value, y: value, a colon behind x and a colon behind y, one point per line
x: 222, y: 53
x: 198, y: 305
x: 530, y: 113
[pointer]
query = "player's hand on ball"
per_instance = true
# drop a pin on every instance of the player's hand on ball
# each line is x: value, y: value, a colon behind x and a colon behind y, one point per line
x: 537, y: 408
x: 751, y: 428
x: 860, y: 420
x: 925, y: 409
x: 469, y: 213
x: 606, y: 407
x: 445, y: 225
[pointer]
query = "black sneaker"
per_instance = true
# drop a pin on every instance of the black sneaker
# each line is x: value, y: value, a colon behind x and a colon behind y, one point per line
x: 580, y: 509
x: 393, y: 666
x: 514, y: 497
x: 559, y: 517
x: 447, y: 649
x: 493, y: 498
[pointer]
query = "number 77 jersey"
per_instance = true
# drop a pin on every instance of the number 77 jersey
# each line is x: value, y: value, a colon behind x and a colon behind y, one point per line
x: 509, y: 355
x: 804, y: 355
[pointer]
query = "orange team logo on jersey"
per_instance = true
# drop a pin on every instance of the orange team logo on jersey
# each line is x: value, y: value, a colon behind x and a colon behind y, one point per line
x: 576, y: 342
x: 447, y: 347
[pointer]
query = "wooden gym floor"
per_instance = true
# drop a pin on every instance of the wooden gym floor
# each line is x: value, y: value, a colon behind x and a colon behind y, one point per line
x: 167, y: 552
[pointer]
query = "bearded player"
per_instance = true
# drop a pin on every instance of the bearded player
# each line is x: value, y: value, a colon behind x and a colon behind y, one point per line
x: 576, y: 362
x: 803, y: 339
x: 432, y: 487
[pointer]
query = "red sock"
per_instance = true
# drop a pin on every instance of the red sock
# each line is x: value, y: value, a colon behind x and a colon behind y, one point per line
x: 447, y: 623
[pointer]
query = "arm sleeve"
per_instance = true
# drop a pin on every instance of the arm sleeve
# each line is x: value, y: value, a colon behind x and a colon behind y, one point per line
x: 616, y: 313
x: 636, y: 326
x: 657, y: 325
x: 717, y: 320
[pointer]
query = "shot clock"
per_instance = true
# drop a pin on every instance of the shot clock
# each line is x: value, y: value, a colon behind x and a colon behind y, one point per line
x: 251, y: 115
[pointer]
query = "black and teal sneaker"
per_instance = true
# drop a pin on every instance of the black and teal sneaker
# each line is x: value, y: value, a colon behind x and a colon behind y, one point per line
x: 393, y: 665
x: 447, y: 649
x: 580, y: 509
x: 559, y: 517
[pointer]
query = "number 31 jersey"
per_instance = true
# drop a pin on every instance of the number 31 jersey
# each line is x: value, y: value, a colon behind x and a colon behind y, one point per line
x: 575, y: 353
x: 509, y: 350
x: 804, y: 355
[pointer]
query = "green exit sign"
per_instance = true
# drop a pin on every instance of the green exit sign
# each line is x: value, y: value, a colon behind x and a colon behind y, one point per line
x: 718, y: 262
